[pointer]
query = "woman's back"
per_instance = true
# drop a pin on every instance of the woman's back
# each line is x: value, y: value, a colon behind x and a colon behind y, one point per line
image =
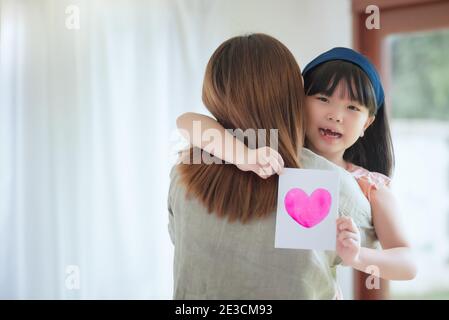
x: 216, y: 259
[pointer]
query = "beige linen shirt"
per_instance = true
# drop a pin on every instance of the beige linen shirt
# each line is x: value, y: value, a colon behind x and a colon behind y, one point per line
x: 215, y: 259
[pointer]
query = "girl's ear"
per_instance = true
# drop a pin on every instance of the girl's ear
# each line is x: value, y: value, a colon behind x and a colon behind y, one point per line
x: 368, y: 122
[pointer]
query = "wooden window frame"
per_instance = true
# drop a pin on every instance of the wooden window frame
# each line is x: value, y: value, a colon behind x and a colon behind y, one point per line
x: 396, y: 16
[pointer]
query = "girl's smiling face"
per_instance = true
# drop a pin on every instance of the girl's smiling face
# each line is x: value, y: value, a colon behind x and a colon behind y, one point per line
x: 334, y: 123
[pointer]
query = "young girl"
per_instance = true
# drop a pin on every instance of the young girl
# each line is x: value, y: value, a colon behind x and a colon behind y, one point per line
x: 346, y: 123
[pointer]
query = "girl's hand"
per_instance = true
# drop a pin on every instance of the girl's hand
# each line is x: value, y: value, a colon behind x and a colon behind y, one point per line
x: 348, y: 241
x: 263, y: 161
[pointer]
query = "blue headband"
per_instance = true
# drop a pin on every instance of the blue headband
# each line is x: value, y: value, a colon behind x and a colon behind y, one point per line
x: 356, y: 58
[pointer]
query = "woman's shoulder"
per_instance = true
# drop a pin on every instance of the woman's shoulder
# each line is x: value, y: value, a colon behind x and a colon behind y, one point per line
x: 176, y: 189
x: 311, y: 160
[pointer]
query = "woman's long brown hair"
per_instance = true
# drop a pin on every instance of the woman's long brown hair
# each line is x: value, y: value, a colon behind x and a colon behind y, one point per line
x: 251, y: 82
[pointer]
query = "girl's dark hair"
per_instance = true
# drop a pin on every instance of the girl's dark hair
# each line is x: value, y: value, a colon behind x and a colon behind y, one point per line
x: 373, y: 151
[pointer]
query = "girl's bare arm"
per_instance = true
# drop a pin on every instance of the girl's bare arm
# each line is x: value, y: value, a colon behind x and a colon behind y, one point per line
x: 198, y: 129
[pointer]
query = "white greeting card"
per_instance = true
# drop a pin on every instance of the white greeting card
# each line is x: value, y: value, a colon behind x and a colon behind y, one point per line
x: 307, y: 209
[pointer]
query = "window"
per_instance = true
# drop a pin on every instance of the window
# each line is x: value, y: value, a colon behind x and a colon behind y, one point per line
x: 419, y: 66
x: 411, y: 51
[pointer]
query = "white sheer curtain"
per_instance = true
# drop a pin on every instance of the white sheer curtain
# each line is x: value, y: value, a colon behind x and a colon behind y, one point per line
x: 84, y: 116
x: 86, y: 130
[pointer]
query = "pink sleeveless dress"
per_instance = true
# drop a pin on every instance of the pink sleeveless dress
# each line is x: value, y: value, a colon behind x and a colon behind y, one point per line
x: 367, y: 180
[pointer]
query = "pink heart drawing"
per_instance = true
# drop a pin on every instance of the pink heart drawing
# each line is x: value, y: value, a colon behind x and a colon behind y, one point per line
x: 308, y: 211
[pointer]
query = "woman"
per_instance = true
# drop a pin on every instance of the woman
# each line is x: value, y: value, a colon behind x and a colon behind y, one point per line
x: 221, y: 219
